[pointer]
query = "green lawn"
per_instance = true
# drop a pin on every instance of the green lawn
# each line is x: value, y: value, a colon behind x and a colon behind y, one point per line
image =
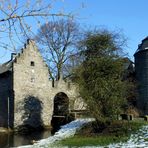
x: 120, y: 132
x: 91, y: 141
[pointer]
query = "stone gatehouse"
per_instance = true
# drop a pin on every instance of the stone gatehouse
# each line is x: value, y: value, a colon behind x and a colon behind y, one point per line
x: 27, y: 96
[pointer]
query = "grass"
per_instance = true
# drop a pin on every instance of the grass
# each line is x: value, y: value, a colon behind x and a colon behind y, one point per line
x: 146, y: 139
x: 117, y: 131
x: 91, y: 141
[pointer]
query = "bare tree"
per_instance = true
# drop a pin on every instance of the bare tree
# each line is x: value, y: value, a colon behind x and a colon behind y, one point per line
x: 20, y: 19
x: 57, y: 40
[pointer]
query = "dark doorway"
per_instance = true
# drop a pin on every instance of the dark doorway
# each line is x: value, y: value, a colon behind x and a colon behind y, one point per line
x: 61, y: 105
x: 61, y: 114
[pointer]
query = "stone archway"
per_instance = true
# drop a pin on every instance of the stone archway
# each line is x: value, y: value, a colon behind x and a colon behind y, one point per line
x: 61, y: 104
x: 60, y: 112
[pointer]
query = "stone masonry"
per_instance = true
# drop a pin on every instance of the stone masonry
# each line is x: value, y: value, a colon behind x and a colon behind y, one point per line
x: 26, y: 92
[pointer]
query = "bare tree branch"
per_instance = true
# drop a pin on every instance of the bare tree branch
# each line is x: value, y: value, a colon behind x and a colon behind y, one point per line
x: 58, y: 38
x: 16, y: 19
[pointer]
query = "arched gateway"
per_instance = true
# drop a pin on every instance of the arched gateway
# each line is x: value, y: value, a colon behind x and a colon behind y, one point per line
x: 26, y: 76
x: 61, y: 104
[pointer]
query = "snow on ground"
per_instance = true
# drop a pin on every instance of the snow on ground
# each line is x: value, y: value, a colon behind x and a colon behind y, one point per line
x: 137, y: 140
x: 66, y: 131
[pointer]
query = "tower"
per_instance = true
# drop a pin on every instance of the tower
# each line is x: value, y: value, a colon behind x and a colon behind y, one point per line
x: 141, y: 70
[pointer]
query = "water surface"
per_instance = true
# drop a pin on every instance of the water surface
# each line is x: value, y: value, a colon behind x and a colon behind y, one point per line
x: 13, y: 140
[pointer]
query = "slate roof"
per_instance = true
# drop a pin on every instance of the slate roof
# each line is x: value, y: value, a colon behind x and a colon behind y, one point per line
x: 6, y: 67
x: 143, y: 47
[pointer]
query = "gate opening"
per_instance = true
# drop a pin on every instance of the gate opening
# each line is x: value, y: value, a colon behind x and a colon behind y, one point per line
x: 61, y: 105
x: 61, y: 114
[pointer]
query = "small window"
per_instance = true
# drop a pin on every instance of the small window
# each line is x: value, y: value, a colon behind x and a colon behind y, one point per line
x: 32, y: 80
x: 32, y: 63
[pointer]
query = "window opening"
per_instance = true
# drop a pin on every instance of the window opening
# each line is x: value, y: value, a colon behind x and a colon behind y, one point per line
x: 32, y: 63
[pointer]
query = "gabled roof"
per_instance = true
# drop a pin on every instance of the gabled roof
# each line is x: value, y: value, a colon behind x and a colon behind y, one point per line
x: 127, y: 63
x: 8, y: 65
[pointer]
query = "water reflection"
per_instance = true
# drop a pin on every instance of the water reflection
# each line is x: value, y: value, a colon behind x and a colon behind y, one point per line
x: 12, y: 140
x: 8, y: 140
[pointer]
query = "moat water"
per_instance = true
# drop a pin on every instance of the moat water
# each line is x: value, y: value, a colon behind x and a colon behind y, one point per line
x: 8, y: 140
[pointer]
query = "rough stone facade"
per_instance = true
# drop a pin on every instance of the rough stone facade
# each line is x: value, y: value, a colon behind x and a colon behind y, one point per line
x: 26, y: 93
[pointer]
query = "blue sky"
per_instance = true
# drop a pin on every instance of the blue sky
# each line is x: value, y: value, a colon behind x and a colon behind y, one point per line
x: 128, y: 16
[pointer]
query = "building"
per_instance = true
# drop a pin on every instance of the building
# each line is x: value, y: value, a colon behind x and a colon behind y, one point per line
x: 141, y: 71
x: 28, y: 97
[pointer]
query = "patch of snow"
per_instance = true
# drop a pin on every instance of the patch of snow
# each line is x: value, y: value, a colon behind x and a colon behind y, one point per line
x: 66, y: 131
x: 137, y: 140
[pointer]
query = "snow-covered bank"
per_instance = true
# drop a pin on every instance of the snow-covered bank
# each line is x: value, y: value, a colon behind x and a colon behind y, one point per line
x: 137, y: 140
x: 66, y: 131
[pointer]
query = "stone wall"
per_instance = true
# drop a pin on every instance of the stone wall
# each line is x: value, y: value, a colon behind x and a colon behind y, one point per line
x: 31, y: 86
x: 71, y: 90
x: 33, y: 91
x: 27, y: 95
